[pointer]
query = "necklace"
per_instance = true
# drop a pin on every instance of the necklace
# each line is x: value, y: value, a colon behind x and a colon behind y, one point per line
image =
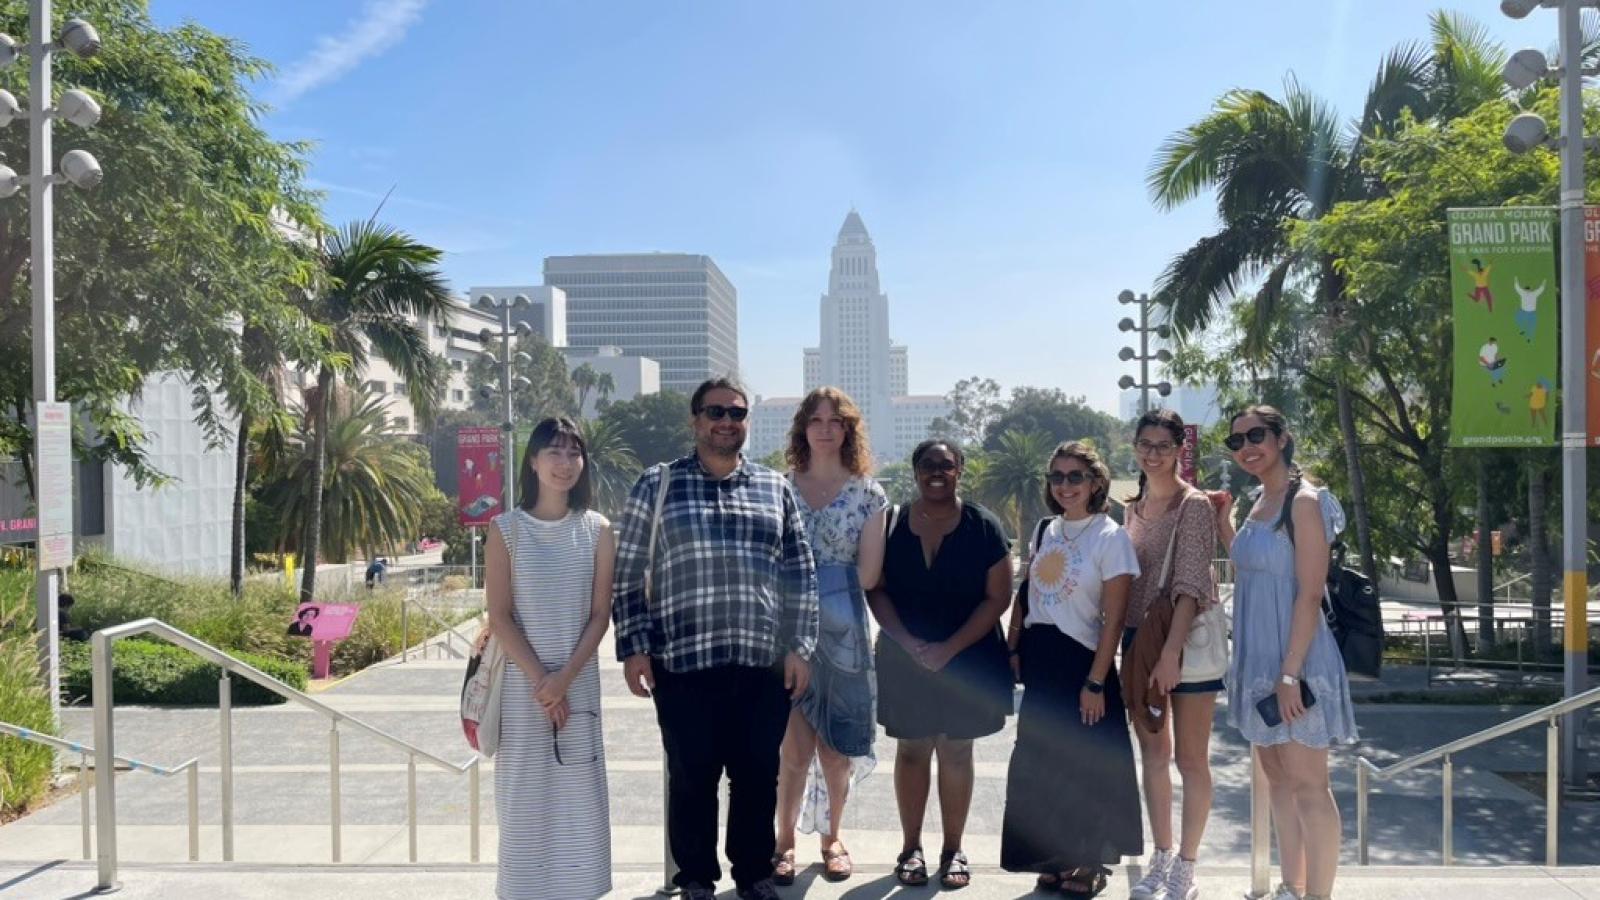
x: 940, y: 519
x: 1072, y: 538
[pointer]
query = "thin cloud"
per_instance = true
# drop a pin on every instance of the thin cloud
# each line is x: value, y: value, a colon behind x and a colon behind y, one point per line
x: 380, y: 25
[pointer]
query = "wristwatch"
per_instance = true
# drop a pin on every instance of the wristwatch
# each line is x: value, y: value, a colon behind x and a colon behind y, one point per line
x: 1289, y: 680
x: 1094, y: 687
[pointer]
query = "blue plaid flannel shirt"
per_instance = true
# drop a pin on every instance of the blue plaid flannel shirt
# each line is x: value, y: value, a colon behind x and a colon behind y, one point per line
x: 734, y: 582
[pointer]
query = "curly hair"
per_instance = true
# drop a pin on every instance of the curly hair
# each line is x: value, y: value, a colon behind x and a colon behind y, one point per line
x: 1086, y: 454
x: 855, y: 452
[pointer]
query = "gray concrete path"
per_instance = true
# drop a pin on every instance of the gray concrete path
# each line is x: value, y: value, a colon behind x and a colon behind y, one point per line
x: 282, y: 808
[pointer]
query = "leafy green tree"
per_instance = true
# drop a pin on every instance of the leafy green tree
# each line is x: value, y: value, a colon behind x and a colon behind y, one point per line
x: 655, y: 426
x: 777, y: 460
x: 380, y: 292
x: 158, y: 266
x: 1052, y: 413
x: 899, y: 482
x: 547, y: 391
x: 613, y: 467
x: 375, y: 481
x: 1012, y: 477
x: 1271, y: 162
x: 974, y: 403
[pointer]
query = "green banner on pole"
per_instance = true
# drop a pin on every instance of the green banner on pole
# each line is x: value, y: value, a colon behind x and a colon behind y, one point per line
x: 1503, y: 297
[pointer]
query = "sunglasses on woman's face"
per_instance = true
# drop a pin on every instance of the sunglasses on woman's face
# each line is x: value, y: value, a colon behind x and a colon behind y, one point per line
x: 716, y: 412
x: 936, y: 466
x: 1074, y: 478
x: 1235, y: 441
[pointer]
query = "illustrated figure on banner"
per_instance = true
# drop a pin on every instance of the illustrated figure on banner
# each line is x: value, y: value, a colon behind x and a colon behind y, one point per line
x: 1528, y: 313
x: 1480, y: 284
x: 1489, y: 357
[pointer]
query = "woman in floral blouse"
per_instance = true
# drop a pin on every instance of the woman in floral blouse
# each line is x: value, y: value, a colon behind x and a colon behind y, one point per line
x: 828, y: 747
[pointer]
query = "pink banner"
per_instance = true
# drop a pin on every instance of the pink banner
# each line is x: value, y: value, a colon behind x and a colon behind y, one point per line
x: 480, y: 475
x: 1186, y: 459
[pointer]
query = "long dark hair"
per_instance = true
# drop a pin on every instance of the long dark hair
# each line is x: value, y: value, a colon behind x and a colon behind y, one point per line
x: 1276, y: 423
x: 1158, y: 418
x: 547, y: 433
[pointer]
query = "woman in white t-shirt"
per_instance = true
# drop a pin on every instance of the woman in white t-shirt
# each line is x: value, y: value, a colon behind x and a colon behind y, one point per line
x: 1072, y: 793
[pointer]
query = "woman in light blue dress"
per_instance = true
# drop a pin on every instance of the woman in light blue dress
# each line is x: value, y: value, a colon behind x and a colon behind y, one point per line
x: 1282, y: 645
x: 828, y: 746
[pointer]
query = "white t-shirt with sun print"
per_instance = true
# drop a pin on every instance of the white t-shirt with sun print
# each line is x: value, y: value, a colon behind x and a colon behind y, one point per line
x: 1069, y: 571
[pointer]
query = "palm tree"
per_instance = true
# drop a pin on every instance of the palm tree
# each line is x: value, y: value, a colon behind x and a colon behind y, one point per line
x: 613, y: 467
x: 1012, y: 477
x: 382, y: 290
x: 1274, y: 161
x: 604, y: 387
x: 584, y: 379
x: 375, y: 482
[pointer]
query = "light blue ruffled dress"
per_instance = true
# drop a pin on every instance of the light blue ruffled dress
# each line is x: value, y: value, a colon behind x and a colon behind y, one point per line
x: 1263, y: 607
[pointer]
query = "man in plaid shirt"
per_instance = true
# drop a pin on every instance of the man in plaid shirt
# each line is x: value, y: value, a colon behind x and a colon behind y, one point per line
x: 724, y: 640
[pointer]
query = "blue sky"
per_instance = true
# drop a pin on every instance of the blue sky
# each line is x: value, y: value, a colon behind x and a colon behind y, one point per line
x: 996, y: 151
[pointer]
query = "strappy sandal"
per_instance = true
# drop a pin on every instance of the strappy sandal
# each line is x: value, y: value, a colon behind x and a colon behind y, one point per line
x: 911, y: 868
x: 953, y: 865
x: 1093, y: 876
x: 783, y: 868
x: 1047, y: 883
x: 837, y: 866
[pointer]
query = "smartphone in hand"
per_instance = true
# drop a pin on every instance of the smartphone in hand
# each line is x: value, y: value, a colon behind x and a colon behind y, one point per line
x: 1267, y: 707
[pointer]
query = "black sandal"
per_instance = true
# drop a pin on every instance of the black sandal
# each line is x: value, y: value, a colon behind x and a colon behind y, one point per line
x: 1093, y: 876
x: 953, y: 865
x: 911, y: 868
x: 1047, y: 887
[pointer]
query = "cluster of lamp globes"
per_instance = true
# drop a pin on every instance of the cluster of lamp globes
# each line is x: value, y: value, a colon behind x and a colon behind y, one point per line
x: 504, y: 307
x: 1126, y: 382
x: 1524, y: 69
x: 78, y: 167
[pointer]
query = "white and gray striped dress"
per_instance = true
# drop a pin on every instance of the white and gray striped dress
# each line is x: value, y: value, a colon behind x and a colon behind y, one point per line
x: 555, y: 826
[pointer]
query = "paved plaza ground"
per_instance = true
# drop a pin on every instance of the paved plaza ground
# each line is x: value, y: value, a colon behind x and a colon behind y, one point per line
x: 282, y: 809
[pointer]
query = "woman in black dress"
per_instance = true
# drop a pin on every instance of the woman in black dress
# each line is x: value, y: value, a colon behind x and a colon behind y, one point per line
x: 943, y: 674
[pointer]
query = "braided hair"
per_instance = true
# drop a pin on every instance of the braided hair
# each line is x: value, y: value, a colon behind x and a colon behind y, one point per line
x: 1157, y: 418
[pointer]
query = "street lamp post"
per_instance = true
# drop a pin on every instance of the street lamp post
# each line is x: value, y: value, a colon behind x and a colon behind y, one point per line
x: 1143, y: 354
x: 80, y: 168
x: 503, y: 308
x: 1525, y: 132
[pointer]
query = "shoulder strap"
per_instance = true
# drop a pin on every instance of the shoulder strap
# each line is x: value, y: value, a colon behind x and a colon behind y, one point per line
x: 655, y: 528
x: 1172, y: 543
x: 1038, y: 535
x: 892, y: 520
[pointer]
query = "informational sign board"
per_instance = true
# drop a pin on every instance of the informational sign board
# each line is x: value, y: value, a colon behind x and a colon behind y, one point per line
x: 480, y: 475
x: 53, y: 462
x: 324, y: 621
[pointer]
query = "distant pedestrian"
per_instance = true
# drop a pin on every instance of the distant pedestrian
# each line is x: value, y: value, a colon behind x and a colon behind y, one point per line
x: 1174, y: 528
x: 1072, y: 794
x: 1287, y: 689
x: 828, y: 746
x: 375, y: 571
x: 716, y: 610
x: 943, y: 680
x: 548, y: 581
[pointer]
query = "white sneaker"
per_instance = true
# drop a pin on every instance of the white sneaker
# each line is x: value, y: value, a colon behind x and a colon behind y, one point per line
x: 1153, y: 886
x: 1180, y: 880
x: 1284, y: 892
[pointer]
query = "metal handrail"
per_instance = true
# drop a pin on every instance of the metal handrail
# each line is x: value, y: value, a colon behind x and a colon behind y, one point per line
x: 450, y: 633
x: 106, y: 802
x: 1551, y: 715
x: 85, y: 752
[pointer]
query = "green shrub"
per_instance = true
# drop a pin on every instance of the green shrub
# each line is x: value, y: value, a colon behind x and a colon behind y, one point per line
x: 24, y: 766
x: 160, y: 673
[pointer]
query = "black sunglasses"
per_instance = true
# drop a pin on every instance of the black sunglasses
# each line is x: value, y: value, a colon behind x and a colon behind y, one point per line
x: 937, y: 466
x: 1235, y: 441
x: 715, y: 412
x: 1074, y: 478
x: 555, y: 738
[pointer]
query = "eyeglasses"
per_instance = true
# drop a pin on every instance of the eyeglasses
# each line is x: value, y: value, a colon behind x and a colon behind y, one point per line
x: 1074, y: 478
x: 591, y: 722
x: 1235, y: 441
x: 1149, y: 448
x: 937, y: 466
x: 717, y: 412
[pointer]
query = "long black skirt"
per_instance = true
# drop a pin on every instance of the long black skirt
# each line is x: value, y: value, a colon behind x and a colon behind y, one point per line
x: 1072, y: 793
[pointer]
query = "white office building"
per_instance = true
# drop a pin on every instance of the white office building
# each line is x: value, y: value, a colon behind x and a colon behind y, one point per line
x: 1198, y: 404
x: 458, y: 343
x: 856, y: 354
x: 631, y: 376
x: 675, y: 308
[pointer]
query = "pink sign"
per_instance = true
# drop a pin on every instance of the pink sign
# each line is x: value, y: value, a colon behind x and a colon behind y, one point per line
x: 324, y: 621
x: 1186, y: 459
x: 479, y: 475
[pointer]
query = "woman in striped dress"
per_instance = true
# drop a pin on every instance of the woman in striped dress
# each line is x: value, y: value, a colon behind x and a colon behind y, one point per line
x: 549, y: 589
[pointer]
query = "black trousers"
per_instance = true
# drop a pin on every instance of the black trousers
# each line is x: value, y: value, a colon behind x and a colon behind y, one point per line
x: 726, y: 719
